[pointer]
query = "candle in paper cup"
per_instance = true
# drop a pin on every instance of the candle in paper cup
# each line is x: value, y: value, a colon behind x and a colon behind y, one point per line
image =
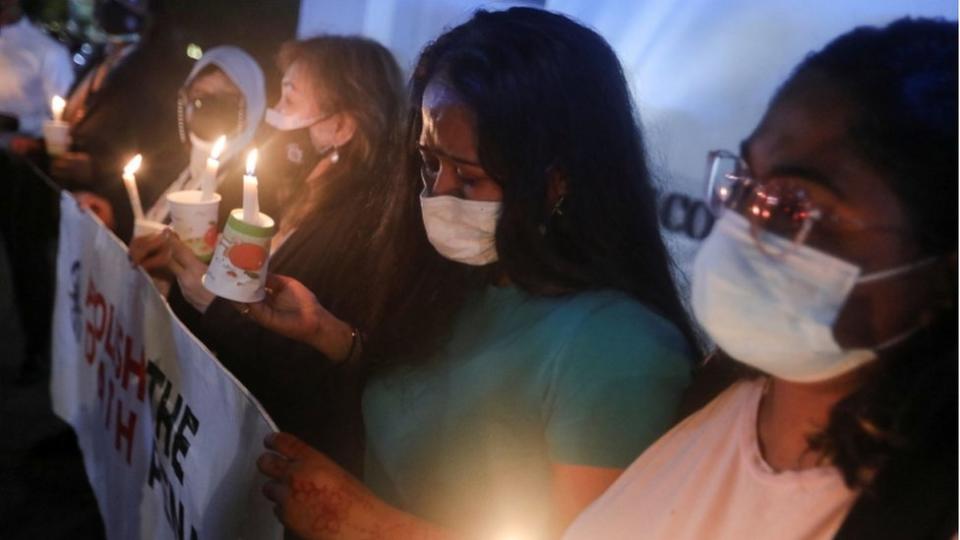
x: 194, y: 219
x: 208, y: 183
x: 130, y: 181
x: 238, y: 270
x: 251, y: 201
x: 56, y: 132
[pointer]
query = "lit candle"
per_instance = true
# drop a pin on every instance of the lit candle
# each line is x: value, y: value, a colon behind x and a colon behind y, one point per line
x: 251, y: 205
x: 57, y: 104
x: 209, y: 181
x: 130, y: 181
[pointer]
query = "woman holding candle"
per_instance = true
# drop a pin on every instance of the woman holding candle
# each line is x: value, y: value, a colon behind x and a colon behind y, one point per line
x: 540, y: 341
x: 344, y: 97
x: 126, y: 105
x: 223, y: 97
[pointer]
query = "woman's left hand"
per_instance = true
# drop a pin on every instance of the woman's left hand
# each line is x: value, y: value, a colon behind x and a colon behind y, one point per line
x: 165, y: 252
x: 189, y: 271
x: 316, y: 499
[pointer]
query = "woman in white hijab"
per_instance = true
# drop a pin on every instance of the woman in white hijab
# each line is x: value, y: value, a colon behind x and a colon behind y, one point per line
x: 223, y: 95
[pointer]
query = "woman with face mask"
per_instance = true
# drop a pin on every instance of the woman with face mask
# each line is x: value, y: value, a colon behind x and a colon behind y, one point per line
x: 340, y: 116
x: 224, y: 95
x: 540, y: 318
x: 830, y: 277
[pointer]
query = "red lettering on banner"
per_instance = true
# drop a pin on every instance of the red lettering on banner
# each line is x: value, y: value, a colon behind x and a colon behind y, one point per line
x: 137, y: 367
x: 101, y: 380
x: 121, y: 364
x: 112, y: 350
x: 125, y: 431
x: 106, y: 419
x: 95, y: 326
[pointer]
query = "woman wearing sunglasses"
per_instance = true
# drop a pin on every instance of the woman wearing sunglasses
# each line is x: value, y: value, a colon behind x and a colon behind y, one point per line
x: 340, y: 112
x: 222, y: 95
x: 548, y: 342
x: 830, y: 277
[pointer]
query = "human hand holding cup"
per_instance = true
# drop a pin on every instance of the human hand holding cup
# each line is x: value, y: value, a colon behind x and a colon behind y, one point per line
x: 238, y: 270
x: 293, y: 311
x: 56, y: 137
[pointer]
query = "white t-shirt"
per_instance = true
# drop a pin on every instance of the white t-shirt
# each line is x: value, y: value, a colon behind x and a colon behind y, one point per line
x: 706, y: 478
x: 33, y: 68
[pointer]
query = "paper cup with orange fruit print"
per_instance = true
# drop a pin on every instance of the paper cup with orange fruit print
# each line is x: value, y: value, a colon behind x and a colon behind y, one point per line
x: 238, y: 270
x: 195, y: 220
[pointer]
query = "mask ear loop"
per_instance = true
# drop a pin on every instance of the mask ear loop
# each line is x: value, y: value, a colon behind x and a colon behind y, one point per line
x: 893, y: 272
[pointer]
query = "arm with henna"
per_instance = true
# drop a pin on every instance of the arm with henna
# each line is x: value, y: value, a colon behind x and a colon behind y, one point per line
x: 318, y: 500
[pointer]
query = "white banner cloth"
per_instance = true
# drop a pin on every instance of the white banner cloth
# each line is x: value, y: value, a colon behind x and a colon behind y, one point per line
x: 169, y: 438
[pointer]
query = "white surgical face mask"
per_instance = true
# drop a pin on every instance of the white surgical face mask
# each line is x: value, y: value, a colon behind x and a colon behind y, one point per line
x: 285, y: 122
x: 778, y: 315
x: 461, y: 230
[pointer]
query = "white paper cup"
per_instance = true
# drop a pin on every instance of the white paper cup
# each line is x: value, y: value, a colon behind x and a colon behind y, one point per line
x: 238, y: 270
x: 195, y: 221
x: 144, y: 227
x: 56, y: 136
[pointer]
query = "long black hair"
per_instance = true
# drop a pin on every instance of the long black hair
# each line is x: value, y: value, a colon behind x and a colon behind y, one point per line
x: 895, y: 437
x: 902, y: 423
x: 551, y: 102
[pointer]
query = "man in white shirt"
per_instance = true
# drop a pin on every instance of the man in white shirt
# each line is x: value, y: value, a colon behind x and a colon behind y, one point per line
x: 33, y: 68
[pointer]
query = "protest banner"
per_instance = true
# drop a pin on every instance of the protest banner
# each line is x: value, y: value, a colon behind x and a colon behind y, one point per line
x: 169, y: 437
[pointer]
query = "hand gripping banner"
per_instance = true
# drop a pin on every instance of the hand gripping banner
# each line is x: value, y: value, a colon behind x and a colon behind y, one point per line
x: 169, y: 438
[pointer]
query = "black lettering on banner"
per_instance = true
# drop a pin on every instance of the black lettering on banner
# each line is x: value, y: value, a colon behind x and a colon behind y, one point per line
x: 176, y: 423
x: 181, y: 444
x: 172, y: 506
x: 166, y: 418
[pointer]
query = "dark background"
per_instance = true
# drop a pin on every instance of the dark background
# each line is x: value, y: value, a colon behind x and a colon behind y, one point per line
x: 44, y: 491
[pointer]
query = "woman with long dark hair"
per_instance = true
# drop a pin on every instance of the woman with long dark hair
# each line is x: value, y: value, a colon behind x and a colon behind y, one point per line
x: 341, y: 108
x: 539, y: 317
x: 831, y: 279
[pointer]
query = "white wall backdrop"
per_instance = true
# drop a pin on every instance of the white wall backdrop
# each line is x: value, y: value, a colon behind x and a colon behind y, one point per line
x: 701, y: 70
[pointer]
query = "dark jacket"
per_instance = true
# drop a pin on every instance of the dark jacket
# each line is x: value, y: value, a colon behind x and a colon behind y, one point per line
x: 306, y: 393
x: 134, y: 111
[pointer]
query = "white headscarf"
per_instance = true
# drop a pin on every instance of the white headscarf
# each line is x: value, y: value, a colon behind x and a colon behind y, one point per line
x: 246, y: 74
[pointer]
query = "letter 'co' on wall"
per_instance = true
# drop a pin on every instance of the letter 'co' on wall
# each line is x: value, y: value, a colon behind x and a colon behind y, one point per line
x: 683, y: 215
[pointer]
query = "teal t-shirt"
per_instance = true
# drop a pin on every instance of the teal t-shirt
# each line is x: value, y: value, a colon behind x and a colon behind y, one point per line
x: 467, y: 438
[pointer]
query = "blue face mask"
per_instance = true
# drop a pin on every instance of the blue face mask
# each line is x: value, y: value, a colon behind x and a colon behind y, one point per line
x: 777, y: 315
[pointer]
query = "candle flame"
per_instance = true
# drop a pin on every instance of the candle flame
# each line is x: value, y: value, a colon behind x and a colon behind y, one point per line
x: 133, y: 165
x: 251, y: 162
x: 218, y: 147
x: 57, y: 105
